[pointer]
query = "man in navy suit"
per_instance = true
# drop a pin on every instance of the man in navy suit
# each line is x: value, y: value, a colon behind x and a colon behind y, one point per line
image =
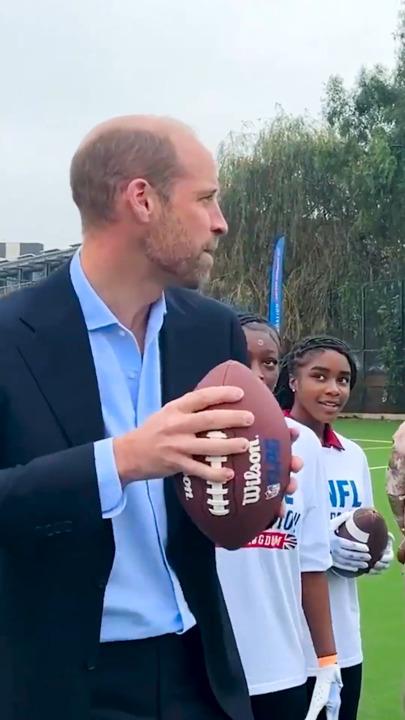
x: 110, y: 607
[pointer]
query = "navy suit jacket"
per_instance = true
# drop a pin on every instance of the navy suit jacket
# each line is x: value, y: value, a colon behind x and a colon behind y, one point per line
x: 56, y: 551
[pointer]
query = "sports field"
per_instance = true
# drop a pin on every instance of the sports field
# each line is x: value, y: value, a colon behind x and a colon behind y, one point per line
x: 382, y: 597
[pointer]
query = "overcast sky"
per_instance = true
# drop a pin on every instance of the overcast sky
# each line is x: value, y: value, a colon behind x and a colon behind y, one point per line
x: 212, y: 63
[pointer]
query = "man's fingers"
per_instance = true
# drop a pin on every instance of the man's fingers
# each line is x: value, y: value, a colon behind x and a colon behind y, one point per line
x: 217, y: 448
x: 294, y: 434
x: 212, y: 420
x: 292, y: 485
x: 192, y: 467
x: 296, y: 464
x: 206, y: 397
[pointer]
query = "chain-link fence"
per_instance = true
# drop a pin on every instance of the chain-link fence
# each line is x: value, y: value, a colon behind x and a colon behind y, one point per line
x: 371, y: 318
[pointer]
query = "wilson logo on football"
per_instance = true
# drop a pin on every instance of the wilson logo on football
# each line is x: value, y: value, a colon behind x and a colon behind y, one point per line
x: 188, y: 488
x: 253, y: 476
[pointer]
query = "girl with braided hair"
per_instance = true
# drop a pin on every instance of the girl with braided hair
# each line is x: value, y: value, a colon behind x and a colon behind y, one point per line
x: 281, y: 572
x: 314, y: 385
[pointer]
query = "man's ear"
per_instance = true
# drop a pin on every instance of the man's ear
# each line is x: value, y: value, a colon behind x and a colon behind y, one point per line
x: 142, y: 199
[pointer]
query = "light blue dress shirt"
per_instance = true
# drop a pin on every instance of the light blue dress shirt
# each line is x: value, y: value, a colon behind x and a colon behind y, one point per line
x: 143, y: 596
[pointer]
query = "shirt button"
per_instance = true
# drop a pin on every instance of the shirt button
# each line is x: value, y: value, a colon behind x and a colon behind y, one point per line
x: 121, y: 332
x: 132, y: 375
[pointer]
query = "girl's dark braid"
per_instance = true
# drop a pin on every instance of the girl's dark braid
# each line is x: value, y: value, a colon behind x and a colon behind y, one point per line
x: 250, y: 320
x: 295, y: 357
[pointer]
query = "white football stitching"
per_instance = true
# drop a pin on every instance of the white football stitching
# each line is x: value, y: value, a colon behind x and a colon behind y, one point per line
x: 217, y: 501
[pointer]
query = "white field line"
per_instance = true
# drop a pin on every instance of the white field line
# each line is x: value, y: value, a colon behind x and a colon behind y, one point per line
x: 383, y: 447
x: 371, y: 441
x: 388, y: 443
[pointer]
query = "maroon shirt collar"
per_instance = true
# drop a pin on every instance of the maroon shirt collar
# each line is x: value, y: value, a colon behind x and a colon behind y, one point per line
x: 330, y: 439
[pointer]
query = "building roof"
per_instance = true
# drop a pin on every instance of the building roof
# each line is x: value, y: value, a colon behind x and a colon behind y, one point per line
x: 34, y: 262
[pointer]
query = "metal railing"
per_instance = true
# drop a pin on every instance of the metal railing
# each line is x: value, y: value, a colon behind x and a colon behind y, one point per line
x: 7, y: 289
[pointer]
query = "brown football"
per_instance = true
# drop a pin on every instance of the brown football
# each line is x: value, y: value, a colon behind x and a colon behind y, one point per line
x: 231, y: 514
x: 368, y: 527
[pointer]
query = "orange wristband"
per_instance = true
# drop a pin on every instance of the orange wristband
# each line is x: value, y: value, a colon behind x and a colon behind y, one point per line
x: 327, y: 660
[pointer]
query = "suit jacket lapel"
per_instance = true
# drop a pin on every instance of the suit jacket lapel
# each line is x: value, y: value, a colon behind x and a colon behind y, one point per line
x: 176, y: 373
x: 185, y: 356
x: 53, y: 341
x: 177, y: 378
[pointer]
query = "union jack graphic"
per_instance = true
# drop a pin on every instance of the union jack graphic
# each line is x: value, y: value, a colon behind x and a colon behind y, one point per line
x: 290, y: 542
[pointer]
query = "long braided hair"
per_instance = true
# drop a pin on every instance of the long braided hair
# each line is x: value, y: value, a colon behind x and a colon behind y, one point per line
x: 296, y: 358
x: 258, y: 322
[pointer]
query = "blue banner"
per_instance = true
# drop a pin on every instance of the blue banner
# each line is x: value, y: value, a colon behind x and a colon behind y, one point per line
x: 276, y: 284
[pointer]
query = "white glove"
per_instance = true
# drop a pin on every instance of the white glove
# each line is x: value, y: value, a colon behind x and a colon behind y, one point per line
x: 326, y: 693
x: 347, y: 554
x: 386, y: 559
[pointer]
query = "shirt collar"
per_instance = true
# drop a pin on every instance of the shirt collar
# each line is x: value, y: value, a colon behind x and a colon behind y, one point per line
x: 96, y: 313
x: 330, y: 439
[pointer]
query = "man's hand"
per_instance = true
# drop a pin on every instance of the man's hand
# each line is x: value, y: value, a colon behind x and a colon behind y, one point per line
x: 326, y: 693
x: 168, y: 443
x: 347, y: 554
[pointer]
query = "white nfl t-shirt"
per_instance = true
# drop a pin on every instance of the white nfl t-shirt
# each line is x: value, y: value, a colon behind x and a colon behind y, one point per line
x: 349, y: 488
x: 262, y: 581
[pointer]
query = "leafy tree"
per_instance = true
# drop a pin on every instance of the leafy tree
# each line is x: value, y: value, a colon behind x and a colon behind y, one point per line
x: 342, y: 182
x: 336, y: 189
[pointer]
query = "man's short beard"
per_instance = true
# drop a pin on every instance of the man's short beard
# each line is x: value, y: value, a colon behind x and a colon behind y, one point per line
x: 170, y: 250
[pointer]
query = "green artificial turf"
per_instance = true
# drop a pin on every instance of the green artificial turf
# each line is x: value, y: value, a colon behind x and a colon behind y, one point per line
x: 382, y: 597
